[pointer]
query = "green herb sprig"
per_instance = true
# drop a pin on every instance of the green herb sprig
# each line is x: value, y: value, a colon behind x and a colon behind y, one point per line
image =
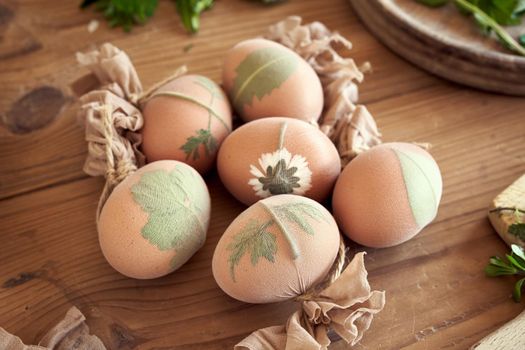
x: 190, y: 11
x: 490, y: 16
x: 124, y: 13
x: 512, y: 264
x: 127, y: 13
x: 518, y: 227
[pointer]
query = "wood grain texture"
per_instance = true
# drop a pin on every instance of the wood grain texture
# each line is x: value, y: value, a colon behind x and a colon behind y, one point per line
x: 445, y: 43
x: 437, y: 295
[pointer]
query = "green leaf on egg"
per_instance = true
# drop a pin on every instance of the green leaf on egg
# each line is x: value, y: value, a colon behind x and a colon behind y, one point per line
x: 255, y: 240
x: 171, y: 199
x: 295, y: 214
x: 421, y: 179
x: 202, y: 137
x: 260, y: 73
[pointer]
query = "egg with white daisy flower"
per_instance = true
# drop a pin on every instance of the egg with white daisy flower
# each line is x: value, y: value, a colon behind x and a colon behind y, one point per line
x: 278, y: 155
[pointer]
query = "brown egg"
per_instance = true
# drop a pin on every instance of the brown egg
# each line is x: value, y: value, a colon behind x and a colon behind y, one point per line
x: 388, y: 194
x: 186, y: 120
x: 265, y: 79
x: 276, y: 250
x: 155, y: 220
x: 278, y: 156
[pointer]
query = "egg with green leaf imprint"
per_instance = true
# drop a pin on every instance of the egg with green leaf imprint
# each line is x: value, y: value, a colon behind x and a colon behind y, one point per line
x: 264, y: 79
x: 186, y: 119
x: 155, y: 220
x: 387, y: 195
x: 276, y: 249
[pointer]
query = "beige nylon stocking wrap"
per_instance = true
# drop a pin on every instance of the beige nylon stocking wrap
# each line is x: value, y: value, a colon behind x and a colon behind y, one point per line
x: 347, y: 306
x: 111, y: 118
x: 350, y: 127
x: 70, y: 333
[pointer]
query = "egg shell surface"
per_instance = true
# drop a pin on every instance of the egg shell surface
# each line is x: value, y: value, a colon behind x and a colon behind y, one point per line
x: 188, y: 125
x: 387, y: 195
x: 252, y: 166
x: 154, y: 220
x: 254, y: 260
x: 265, y: 79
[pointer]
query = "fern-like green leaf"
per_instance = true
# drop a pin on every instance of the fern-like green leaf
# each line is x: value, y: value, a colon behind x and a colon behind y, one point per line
x: 173, y: 200
x: 255, y: 240
x: 260, y: 73
x: 203, y: 137
x: 296, y: 213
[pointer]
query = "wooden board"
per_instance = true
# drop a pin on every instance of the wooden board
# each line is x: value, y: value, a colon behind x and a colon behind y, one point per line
x: 437, y: 294
x: 445, y: 43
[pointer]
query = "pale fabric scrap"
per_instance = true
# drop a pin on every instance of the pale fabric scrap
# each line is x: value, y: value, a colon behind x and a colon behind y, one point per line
x: 71, y: 332
x: 347, y: 306
x: 350, y: 127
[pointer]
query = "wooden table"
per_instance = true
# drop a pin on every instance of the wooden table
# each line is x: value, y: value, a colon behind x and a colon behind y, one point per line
x: 437, y: 294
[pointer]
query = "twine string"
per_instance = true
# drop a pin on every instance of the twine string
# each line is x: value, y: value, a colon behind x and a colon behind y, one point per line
x: 117, y: 168
x: 146, y: 95
x: 331, y: 277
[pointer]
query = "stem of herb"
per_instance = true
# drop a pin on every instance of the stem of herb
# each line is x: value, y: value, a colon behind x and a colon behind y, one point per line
x: 282, y: 131
x: 287, y: 235
x: 209, y: 113
x: 191, y: 99
x: 497, y: 210
x: 502, y: 34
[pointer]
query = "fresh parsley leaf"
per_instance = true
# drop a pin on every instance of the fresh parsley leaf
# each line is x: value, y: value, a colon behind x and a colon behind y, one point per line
x: 433, y: 3
x: 490, y: 16
x: 516, y: 293
x: 124, y: 13
x: 517, y: 251
x: 494, y: 271
x: 518, y: 229
x: 189, y: 12
x: 514, y: 265
x: 502, y: 11
x: 519, y: 10
x: 490, y: 24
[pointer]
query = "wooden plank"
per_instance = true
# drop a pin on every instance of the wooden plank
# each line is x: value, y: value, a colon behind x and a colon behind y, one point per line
x: 437, y: 294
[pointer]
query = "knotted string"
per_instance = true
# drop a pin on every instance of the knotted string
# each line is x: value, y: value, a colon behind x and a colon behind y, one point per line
x: 331, y: 277
x: 117, y: 169
x: 112, y: 116
x: 343, y: 302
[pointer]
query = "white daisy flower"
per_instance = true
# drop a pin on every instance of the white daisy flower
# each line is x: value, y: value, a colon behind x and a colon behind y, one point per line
x: 280, y: 173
